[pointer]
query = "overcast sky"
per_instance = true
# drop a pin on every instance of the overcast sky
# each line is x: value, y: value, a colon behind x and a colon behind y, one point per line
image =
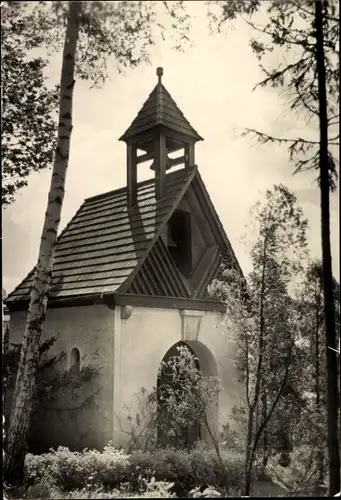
x: 212, y: 84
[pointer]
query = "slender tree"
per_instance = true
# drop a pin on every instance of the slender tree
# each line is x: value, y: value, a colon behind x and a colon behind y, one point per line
x: 94, y: 33
x: 316, y: 367
x: 306, y: 36
x: 325, y: 161
x: 315, y: 378
x: 265, y: 328
x: 28, y: 366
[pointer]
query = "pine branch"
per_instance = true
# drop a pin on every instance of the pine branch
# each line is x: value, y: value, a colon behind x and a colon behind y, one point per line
x: 266, y: 138
x: 265, y: 31
x: 278, y: 75
x: 303, y: 100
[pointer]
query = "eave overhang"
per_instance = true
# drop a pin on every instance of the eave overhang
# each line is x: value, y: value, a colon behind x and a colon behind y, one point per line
x: 123, y: 299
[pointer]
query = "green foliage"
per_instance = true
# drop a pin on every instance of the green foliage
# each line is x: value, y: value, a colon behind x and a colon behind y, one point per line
x: 142, y: 473
x: 28, y: 121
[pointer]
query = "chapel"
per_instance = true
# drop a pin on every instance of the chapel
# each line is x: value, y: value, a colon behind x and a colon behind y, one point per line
x: 129, y: 285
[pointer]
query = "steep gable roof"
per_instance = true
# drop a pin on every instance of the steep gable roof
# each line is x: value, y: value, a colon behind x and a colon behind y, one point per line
x: 160, y: 109
x: 104, y: 242
x: 106, y: 248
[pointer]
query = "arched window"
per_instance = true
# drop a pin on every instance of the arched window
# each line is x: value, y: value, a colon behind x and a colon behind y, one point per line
x: 75, y: 360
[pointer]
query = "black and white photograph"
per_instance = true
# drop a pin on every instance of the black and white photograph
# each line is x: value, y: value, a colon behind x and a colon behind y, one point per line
x: 170, y: 249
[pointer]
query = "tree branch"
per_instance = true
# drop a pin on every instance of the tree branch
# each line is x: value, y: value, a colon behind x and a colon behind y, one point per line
x: 265, y: 138
x: 268, y: 138
x: 280, y: 73
x: 264, y: 30
x: 272, y: 408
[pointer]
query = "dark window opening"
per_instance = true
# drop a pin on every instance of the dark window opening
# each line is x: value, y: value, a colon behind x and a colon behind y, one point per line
x: 75, y: 360
x: 179, y: 241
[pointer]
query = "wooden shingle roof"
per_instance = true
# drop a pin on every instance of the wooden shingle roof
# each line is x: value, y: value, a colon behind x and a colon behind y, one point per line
x: 104, y: 243
x: 160, y: 109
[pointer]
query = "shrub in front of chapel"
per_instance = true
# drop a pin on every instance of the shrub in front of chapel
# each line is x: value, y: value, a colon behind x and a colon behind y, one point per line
x: 188, y: 469
x: 167, y: 464
x: 74, y: 470
x: 114, y: 469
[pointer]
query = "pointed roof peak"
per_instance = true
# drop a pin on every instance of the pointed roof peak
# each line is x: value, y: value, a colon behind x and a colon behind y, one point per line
x: 160, y: 109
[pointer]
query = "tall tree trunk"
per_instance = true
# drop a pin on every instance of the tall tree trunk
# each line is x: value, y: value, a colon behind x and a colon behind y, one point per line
x: 248, y: 448
x: 217, y: 450
x: 250, y: 440
x: 320, y: 437
x: 29, y: 358
x: 265, y: 432
x: 329, y: 313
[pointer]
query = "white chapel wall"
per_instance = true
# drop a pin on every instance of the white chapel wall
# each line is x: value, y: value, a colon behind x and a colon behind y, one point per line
x: 91, y: 330
x: 127, y: 353
x: 142, y: 340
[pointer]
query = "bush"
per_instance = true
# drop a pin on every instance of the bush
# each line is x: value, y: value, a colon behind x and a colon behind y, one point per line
x: 165, y: 465
x: 300, y: 476
x: 153, y: 489
x: 73, y: 470
x: 115, y: 470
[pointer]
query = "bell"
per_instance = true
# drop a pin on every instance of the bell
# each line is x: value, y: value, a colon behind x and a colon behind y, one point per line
x: 168, y: 166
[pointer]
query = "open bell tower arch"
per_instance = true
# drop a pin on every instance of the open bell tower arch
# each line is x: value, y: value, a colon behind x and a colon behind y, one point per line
x: 160, y: 128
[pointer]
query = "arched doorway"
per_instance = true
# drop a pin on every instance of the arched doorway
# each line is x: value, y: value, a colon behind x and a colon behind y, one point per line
x: 191, y: 429
x: 169, y: 431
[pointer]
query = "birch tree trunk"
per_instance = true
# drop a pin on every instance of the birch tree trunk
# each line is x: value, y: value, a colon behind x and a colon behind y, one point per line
x: 28, y: 365
x: 329, y: 311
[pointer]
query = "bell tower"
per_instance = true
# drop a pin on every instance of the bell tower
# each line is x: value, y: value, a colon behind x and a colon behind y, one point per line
x: 160, y: 128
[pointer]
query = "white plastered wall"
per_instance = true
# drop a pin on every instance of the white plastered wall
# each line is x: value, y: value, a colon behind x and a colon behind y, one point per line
x: 142, y: 340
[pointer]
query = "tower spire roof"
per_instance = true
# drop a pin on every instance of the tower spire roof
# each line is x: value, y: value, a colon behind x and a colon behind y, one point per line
x: 160, y: 109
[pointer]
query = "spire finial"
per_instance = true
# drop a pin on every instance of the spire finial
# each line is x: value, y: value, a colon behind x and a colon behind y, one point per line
x: 159, y: 72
